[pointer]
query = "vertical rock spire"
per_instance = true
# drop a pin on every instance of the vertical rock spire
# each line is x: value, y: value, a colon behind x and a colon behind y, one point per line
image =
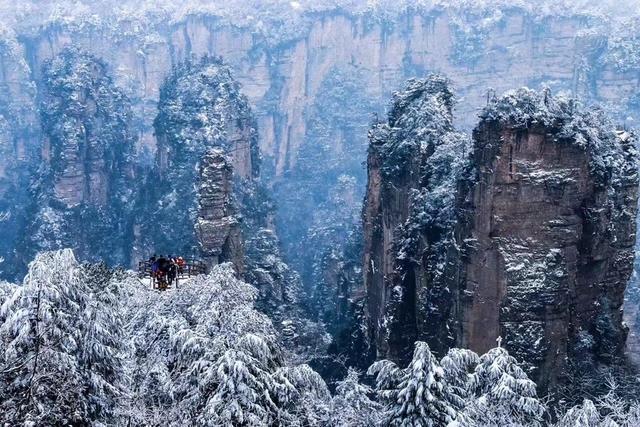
x: 218, y: 224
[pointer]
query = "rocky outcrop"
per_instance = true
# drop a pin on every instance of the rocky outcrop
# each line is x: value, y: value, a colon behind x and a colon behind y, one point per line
x: 549, y: 222
x: 529, y: 238
x: 201, y: 108
x: 278, y: 285
x: 218, y: 224
x: 286, y: 60
x: 83, y: 186
x: 415, y: 160
x: 283, y: 73
x: 19, y: 147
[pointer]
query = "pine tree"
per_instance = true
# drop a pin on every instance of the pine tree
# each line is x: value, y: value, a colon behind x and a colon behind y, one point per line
x: 458, y: 365
x: 303, y: 396
x: 41, y: 381
x: 103, y: 347
x: 351, y: 405
x: 585, y: 415
x: 416, y: 395
x: 505, y: 396
x: 242, y: 385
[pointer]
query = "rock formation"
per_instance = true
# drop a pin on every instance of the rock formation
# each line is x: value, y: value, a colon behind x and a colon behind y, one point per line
x: 201, y: 108
x: 415, y: 160
x: 82, y: 191
x: 549, y: 223
x: 287, y: 59
x: 530, y: 237
x: 218, y: 224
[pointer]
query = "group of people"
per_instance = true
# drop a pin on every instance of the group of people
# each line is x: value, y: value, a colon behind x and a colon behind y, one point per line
x: 165, y: 270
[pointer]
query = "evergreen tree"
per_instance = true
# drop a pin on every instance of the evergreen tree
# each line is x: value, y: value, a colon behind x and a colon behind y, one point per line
x: 458, y: 365
x: 41, y: 380
x: 63, y: 345
x: 585, y: 415
x: 351, y: 405
x: 416, y: 395
x: 504, y: 395
x: 103, y: 348
x: 303, y: 396
x: 243, y: 386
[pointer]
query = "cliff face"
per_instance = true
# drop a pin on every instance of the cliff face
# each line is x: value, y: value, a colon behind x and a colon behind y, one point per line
x: 285, y: 70
x: 19, y: 129
x: 415, y: 161
x: 218, y: 224
x: 550, y: 221
x: 534, y: 238
x: 283, y: 79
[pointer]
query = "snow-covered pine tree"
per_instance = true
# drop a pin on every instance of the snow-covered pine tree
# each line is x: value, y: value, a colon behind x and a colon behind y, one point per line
x: 416, y: 395
x: 6, y: 290
x: 206, y: 356
x: 41, y: 382
x: 242, y: 386
x: 610, y: 410
x: 351, y: 405
x: 104, y: 346
x: 303, y: 396
x: 585, y: 415
x: 504, y: 395
x: 458, y: 365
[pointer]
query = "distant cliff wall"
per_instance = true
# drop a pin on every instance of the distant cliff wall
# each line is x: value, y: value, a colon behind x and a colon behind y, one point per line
x: 282, y: 79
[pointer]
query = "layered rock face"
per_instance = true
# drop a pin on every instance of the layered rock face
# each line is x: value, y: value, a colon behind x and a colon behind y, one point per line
x: 282, y: 65
x: 287, y: 59
x: 550, y: 221
x: 19, y: 129
x: 529, y: 238
x: 218, y: 224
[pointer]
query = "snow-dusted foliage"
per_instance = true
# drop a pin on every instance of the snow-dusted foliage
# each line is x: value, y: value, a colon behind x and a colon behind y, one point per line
x: 415, y: 395
x: 82, y: 344
x: 189, y: 343
x: 279, y: 293
x: 458, y: 365
x: 279, y: 21
x: 352, y: 405
x: 609, y: 410
x: 205, y: 356
x: 62, y: 347
x: 623, y: 47
x: 86, y: 345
